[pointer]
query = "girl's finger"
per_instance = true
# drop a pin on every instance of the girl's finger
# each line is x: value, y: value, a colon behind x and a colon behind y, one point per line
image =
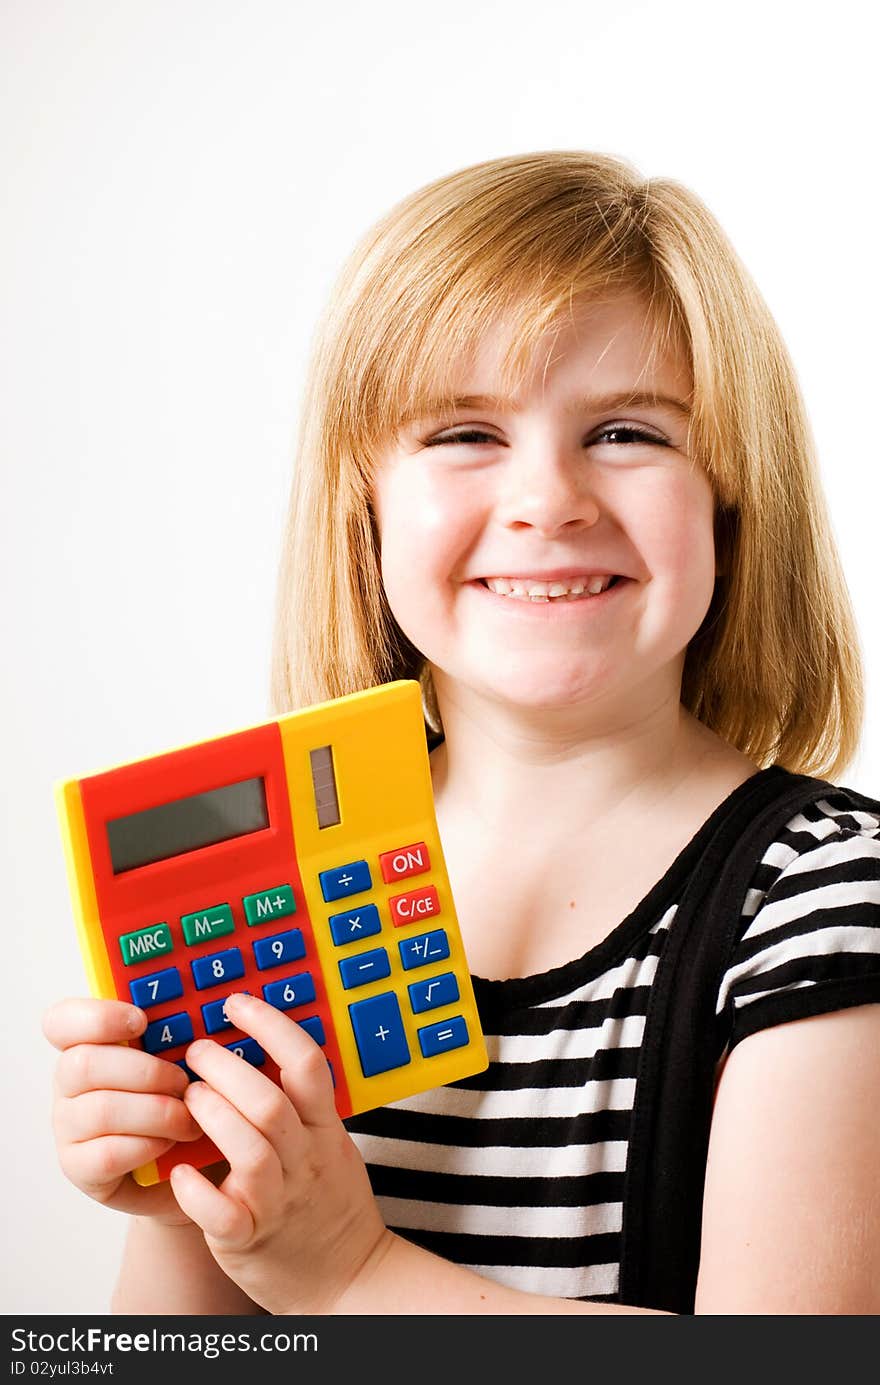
x: 84, y: 1020
x: 255, y: 1169
x: 221, y: 1217
x: 96, y: 1165
x: 304, y: 1071
x: 259, y: 1100
x: 116, y: 1067
x: 93, y: 1114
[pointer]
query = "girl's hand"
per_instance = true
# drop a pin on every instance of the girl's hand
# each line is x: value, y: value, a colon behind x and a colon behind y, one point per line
x: 294, y: 1223
x: 115, y: 1107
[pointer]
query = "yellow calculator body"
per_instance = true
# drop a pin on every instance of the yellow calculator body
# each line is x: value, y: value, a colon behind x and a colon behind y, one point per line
x: 299, y: 860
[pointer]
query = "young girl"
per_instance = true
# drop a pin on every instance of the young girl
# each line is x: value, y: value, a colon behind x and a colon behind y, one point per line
x: 555, y: 465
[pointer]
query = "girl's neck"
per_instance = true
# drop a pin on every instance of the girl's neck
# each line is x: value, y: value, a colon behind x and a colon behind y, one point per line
x: 520, y: 784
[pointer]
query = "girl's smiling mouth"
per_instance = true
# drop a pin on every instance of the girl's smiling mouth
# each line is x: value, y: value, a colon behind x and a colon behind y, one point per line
x: 523, y: 596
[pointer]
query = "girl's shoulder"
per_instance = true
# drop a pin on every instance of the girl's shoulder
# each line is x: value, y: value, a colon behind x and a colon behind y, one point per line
x: 809, y: 936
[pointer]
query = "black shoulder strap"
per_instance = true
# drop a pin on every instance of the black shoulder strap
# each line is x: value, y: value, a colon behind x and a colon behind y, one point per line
x: 675, y: 1086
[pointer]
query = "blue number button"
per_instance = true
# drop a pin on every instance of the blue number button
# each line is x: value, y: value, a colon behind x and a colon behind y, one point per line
x: 292, y: 991
x: 357, y: 923
x: 437, y: 1038
x: 249, y: 1050
x: 283, y: 947
x: 152, y: 990
x: 217, y: 968
x: 167, y: 1033
x: 378, y: 1032
x: 428, y: 995
x: 423, y: 948
x: 353, y: 878
x: 314, y: 1028
x: 215, y: 1017
x: 366, y: 966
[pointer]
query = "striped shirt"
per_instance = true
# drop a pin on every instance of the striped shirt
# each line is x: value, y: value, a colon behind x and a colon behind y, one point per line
x: 518, y: 1172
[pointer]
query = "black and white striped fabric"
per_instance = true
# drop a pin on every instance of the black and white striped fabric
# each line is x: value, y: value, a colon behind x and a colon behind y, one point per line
x: 518, y: 1172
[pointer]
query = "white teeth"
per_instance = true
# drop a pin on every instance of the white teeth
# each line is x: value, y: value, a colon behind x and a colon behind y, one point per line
x: 533, y: 590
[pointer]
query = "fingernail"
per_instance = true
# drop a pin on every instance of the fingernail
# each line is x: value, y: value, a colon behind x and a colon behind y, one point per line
x: 135, y: 1020
x: 240, y: 998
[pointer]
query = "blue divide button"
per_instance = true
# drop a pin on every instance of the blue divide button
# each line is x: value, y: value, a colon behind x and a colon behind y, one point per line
x: 342, y: 881
x: 378, y: 1032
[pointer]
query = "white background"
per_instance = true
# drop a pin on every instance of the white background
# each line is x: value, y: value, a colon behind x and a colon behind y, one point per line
x: 181, y: 181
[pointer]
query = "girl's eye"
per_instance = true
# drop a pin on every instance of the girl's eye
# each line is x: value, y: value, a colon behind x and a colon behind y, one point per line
x: 624, y: 433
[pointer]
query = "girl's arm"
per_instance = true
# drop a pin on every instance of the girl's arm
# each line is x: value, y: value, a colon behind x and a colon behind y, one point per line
x: 169, y: 1269
x: 791, y: 1214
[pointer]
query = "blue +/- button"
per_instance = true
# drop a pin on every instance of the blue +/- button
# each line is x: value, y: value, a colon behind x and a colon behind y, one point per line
x: 423, y: 948
x: 282, y: 947
x: 291, y: 991
x: 357, y: 923
x: 365, y: 967
x: 429, y: 994
x: 249, y: 1050
x: 379, y: 1034
x: 217, y: 967
x: 342, y: 881
x: 159, y: 986
x: 437, y: 1038
x: 167, y: 1033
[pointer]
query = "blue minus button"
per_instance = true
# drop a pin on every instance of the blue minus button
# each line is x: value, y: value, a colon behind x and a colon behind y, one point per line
x: 437, y: 1038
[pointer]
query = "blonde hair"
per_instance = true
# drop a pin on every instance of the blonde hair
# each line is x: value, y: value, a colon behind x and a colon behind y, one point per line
x: 775, y: 668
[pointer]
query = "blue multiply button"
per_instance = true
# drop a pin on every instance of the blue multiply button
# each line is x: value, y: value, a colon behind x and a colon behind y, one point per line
x: 281, y: 947
x: 423, y: 948
x: 378, y: 1032
x: 218, y: 967
x: 152, y: 990
x: 366, y: 966
x: 292, y: 991
x: 357, y: 923
x: 428, y: 994
x: 437, y: 1038
x: 249, y: 1050
x: 345, y: 880
x: 314, y: 1028
x: 167, y: 1033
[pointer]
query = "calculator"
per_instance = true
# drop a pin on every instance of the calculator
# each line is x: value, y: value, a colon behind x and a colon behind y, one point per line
x: 299, y: 860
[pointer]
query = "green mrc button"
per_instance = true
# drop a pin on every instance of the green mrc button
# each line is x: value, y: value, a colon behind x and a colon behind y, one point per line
x: 145, y: 943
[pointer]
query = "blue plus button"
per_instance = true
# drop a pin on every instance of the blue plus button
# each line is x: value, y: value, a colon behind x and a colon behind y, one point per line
x: 342, y: 881
x: 378, y: 1032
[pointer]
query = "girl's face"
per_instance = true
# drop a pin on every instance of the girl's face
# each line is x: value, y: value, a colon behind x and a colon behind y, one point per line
x: 563, y: 484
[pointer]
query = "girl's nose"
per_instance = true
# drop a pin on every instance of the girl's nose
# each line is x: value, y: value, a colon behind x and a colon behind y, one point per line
x: 549, y: 489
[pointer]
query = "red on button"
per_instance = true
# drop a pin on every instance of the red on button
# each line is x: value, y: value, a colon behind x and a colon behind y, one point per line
x: 414, y: 906
x: 406, y: 860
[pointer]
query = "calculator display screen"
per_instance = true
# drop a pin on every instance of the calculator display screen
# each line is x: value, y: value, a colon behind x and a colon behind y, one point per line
x: 185, y: 824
